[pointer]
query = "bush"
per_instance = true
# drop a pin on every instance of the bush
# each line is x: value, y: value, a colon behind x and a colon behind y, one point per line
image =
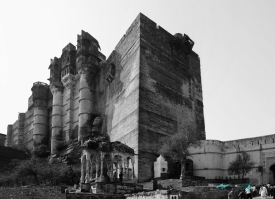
x: 41, y: 151
x: 39, y: 171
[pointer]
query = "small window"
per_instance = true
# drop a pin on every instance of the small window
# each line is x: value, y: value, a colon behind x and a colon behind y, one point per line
x: 163, y: 169
x: 113, y: 70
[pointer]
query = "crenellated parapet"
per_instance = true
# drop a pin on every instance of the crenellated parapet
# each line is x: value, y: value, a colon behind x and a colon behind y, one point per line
x: 40, y: 94
x: 87, y: 55
x: 55, y: 72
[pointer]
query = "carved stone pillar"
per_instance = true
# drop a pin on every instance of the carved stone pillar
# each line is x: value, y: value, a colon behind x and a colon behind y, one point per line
x: 83, y: 162
x: 101, y: 167
x: 110, y: 170
x: 133, y: 163
x: 97, y: 169
x: 87, y: 177
x: 124, y: 169
x: 120, y: 169
x: 127, y: 173
x: 91, y: 169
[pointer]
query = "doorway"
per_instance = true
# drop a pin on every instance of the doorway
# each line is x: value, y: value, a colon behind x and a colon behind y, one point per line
x: 272, y: 174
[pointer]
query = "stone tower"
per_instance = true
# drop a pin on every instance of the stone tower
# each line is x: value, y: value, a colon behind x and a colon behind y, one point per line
x: 40, y: 113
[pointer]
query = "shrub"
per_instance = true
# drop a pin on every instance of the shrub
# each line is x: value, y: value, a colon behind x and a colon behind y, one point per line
x: 41, y: 151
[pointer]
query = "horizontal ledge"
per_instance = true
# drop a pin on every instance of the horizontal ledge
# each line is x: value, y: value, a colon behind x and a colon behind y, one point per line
x: 83, y: 113
x: 38, y: 123
x: 46, y: 115
x: 57, y: 115
x: 39, y: 134
x: 84, y: 99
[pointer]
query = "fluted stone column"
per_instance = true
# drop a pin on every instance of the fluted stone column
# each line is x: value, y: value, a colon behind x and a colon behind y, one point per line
x: 85, y: 103
x: 86, y: 63
x: 9, y: 136
x: 56, y: 118
x: 40, y: 114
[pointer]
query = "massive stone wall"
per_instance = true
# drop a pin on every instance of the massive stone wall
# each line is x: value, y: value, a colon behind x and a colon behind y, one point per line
x: 120, y: 90
x: 170, y: 92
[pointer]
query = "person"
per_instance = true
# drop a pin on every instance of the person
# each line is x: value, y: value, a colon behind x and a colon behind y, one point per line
x: 254, y: 190
x: 120, y: 177
x: 230, y: 194
x: 248, y: 193
x: 263, y: 192
x: 272, y: 190
x: 241, y: 194
x: 115, y: 176
x: 268, y: 189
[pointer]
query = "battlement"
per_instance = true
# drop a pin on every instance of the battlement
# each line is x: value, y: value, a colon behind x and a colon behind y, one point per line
x: 69, y: 47
x: 40, y: 84
x: 39, y: 91
x: 85, y: 35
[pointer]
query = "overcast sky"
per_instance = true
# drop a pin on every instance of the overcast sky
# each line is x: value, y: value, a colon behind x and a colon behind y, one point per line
x: 235, y: 41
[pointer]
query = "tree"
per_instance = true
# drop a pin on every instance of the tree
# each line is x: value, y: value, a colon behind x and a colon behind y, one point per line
x: 177, y: 147
x: 241, y: 166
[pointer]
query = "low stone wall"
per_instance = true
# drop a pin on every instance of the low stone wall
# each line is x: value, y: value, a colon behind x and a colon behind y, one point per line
x: 205, y: 192
x: 186, y: 193
x: 160, y: 194
x: 178, y: 184
x: 35, y: 192
x: 147, y: 185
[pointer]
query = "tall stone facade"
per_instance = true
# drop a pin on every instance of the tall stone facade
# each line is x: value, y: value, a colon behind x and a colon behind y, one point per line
x: 148, y: 88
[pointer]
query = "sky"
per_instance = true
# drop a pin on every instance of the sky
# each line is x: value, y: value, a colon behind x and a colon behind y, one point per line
x: 235, y: 40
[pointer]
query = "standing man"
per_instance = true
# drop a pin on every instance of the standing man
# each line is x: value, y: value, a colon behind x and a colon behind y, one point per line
x: 230, y: 194
x: 120, y: 176
x: 263, y: 192
x: 254, y: 190
x: 248, y: 193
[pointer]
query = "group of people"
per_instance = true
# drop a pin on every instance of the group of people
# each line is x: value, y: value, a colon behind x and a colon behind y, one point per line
x: 248, y: 193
